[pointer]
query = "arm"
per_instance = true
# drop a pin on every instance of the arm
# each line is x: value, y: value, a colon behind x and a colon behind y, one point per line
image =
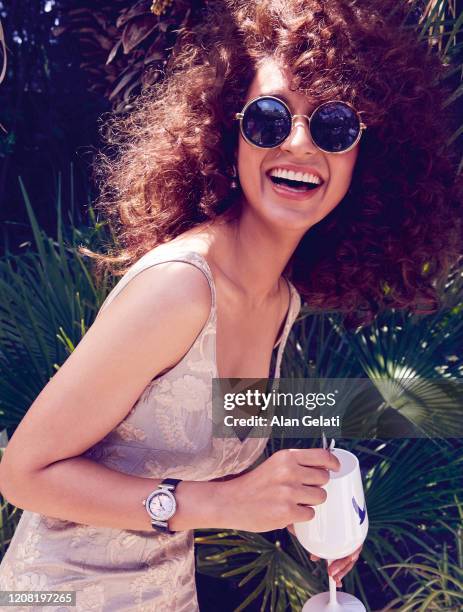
x: 130, y: 342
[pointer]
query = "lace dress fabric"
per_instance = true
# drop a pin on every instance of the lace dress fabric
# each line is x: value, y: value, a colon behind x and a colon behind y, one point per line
x: 167, y: 433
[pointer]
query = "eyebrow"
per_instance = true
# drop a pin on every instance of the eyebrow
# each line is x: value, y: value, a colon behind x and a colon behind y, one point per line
x: 276, y: 94
x: 281, y: 95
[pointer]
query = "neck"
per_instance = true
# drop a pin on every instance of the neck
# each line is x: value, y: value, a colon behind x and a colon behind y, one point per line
x: 253, y: 254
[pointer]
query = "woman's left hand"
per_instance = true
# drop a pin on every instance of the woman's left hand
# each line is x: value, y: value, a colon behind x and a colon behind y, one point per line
x: 340, y: 567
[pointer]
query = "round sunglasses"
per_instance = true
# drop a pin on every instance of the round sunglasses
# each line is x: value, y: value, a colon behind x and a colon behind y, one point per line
x: 266, y: 122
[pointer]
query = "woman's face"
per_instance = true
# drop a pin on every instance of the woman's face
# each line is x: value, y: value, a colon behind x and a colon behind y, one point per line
x: 282, y: 208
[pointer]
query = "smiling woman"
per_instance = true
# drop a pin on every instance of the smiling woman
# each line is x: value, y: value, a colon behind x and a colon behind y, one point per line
x: 294, y: 147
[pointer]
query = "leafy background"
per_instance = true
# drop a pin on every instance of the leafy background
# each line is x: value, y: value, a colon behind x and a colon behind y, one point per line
x: 69, y: 62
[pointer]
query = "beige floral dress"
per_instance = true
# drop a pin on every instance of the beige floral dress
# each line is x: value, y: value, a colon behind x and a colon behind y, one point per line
x: 168, y: 433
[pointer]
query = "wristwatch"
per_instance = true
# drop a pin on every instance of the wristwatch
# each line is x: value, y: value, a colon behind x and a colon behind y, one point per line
x: 161, y: 504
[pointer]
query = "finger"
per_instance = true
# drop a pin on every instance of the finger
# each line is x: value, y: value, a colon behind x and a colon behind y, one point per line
x: 311, y: 475
x: 310, y: 496
x: 302, y: 513
x: 337, y: 567
x: 338, y: 564
x: 337, y: 581
x: 338, y: 572
x: 314, y: 557
x: 339, y: 576
x: 316, y: 457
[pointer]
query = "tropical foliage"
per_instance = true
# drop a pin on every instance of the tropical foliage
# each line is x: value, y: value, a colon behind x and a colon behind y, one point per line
x: 437, y: 580
x: 125, y: 45
x: 48, y: 300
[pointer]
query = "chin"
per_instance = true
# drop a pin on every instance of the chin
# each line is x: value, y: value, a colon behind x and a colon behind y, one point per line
x: 290, y: 218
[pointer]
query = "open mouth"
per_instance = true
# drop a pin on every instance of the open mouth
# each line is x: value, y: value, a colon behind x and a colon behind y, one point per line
x: 295, y: 181
x: 297, y: 185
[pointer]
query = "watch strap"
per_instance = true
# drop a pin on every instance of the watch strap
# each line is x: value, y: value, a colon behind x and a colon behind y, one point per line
x: 161, y: 526
x: 172, y: 482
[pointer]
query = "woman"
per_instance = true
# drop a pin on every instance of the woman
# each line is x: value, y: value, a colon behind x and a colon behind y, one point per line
x: 115, y: 463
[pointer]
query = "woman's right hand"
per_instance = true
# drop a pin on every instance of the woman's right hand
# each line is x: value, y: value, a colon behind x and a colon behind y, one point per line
x: 278, y: 492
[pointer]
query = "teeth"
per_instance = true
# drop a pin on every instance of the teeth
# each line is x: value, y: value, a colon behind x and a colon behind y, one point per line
x: 295, y: 176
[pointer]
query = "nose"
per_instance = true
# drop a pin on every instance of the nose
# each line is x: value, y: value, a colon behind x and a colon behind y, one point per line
x: 299, y: 141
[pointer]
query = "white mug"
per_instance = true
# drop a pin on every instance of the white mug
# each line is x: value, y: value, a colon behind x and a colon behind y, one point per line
x: 340, y: 524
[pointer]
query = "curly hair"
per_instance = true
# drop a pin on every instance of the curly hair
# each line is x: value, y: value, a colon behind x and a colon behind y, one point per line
x: 397, y: 231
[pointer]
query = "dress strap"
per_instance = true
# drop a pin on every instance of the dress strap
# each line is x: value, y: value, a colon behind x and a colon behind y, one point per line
x: 294, y: 309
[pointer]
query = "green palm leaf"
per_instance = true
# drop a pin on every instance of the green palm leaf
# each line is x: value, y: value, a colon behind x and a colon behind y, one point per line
x: 48, y: 299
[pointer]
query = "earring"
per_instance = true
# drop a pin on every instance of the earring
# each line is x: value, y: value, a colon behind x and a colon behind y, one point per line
x: 234, y: 181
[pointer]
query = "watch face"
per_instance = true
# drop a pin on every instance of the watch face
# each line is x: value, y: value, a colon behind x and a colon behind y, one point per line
x: 162, y: 505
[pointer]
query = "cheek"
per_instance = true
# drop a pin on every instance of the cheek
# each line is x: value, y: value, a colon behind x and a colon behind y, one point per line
x: 249, y: 165
x: 342, y: 168
x: 243, y: 156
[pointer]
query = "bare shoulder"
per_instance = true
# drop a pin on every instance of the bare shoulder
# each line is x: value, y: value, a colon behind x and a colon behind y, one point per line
x: 173, y: 286
x: 147, y: 328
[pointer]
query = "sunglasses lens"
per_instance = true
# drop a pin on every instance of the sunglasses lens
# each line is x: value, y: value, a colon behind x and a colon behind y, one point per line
x: 335, y: 127
x: 266, y: 122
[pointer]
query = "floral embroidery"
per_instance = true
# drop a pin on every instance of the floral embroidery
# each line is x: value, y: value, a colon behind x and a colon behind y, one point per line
x: 31, y: 582
x: 28, y: 549
x: 125, y: 546
x: 160, y: 584
x: 84, y: 533
x: 191, y: 392
x: 111, y: 456
x: 171, y: 430
x: 7, y: 575
x: 128, y: 432
x: 201, y: 366
x: 55, y: 523
x: 90, y: 598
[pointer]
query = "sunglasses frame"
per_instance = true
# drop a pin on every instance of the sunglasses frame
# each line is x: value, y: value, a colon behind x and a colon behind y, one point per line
x: 240, y: 117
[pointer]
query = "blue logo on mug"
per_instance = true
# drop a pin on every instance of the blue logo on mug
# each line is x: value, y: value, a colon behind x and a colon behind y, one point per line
x: 362, y: 513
